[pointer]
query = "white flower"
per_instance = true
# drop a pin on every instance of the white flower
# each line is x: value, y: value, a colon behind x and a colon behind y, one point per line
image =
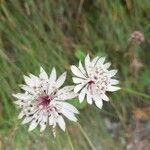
x: 94, y: 80
x: 43, y: 103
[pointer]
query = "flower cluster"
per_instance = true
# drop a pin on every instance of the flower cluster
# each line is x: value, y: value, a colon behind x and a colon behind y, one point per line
x: 44, y: 100
x: 94, y: 80
x: 137, y: 37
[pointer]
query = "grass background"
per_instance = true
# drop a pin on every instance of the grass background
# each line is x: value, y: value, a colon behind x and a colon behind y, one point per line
x: 58, y: 33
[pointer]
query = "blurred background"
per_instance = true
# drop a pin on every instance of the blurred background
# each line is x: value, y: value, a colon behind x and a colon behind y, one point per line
x: 59, y: 33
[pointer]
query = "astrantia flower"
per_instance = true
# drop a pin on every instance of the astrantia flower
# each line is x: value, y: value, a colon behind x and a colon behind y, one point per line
x: 94, y: 80
x: 137, y: 37
x: 43, y: 103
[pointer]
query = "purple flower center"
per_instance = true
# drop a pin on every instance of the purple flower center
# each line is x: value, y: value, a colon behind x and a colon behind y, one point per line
x: 89, y: 86
x: 90, y: 82
x: 44, y: 100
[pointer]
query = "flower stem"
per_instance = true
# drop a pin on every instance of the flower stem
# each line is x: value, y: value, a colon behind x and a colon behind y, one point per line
x: 86, y: 137
x: 69, y: 139
x: 119, y: 114
x: 136, y: 93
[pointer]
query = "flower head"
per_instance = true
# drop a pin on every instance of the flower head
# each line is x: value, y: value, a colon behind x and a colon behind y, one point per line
x: 43, y: 102
x: 94, y: 80
x: 137, y: 37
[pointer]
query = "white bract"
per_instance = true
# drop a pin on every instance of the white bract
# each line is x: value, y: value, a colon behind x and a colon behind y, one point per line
x: 93, y: 80
x: 43, y: 103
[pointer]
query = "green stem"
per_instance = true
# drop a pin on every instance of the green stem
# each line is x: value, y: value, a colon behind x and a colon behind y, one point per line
x: 136, y: 93
x: 58, y: 141
x: 119, y: 114
x: 86, y: 137
x: 69, y: 139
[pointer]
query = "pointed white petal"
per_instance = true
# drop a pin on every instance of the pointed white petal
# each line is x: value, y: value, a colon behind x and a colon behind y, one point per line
x: 34, y: 78
x: 107, y: 65
x: 69, y: 107
x: 98, y: 101
x: 89, y: 98
x: 43, y: 74
x: 95, y: 61
x: 78, y: 88
x: 33, y: 125
x: 65, y: 89
x: 43, y: 123
x: 114, y: 81
x: 104, y: 97
x: 51, y: 120
x: 27, y: 120
x: 81, y: 68
x: 28, y: 81
x: 69, y: 115
x: 21, y: 115
x: 111, y: 73
x: 77, y: 72
x: 77, y: 80
x: 66, y: 96
x: 43, y: 127
x: 23, y: 96
x: 60, y: 81
x: 19, y: 102
x: 27, y: 88
x: 87, y: 63
x: 113, y: 88
x: 53, y: 76
x: 51, y: 88
x: 101, y: 61
x: 66, y: 93
x: 61, y: 122
x: 82, y: 95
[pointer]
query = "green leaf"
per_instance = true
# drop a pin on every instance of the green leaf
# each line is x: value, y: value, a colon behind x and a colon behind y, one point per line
x: 79, y: 54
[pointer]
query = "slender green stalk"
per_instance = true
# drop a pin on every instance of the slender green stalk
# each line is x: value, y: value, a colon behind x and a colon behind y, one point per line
x: 119, y: 114
x: 86, y: 137
x: 69, y: 139
x: 58, y: 141
x: 136, y: 93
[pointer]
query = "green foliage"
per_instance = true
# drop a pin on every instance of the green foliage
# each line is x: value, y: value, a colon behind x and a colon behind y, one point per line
x: 80, y: 54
